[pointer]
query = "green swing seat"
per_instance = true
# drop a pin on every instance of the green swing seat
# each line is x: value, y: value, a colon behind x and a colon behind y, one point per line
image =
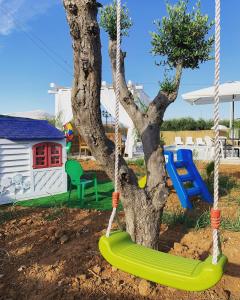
x: 166, y: 269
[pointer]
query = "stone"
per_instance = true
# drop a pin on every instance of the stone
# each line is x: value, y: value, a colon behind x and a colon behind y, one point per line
x: 60, y: 283
x: 21, y: 268
x: 144, y: 288
x: 114, y: 269
x: 98, y: 281
x: 82, y: 277
x: 178, y: 247
x: 64, y: 238
x: 58, y: 233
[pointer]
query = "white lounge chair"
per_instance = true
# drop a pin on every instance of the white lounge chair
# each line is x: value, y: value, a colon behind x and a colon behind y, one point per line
x: 209, y: 149
x: 200, y: 142
x: 178, y: 140
x: 189, y: 141
x: 209, y: 141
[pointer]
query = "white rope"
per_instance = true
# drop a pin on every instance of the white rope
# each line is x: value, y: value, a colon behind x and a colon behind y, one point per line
x: 216, y: 125
x: 118, y: 57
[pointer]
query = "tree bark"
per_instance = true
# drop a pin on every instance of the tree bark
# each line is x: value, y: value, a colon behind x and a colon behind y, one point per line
x: 143, y: 207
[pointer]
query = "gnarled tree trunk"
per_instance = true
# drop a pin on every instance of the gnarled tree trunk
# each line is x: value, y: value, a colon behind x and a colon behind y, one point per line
x: 143, y: 207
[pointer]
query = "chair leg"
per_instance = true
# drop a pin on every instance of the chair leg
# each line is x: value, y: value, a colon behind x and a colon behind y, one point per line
x: 79, y: 193
x: 96, y: 188
x: 83, y: 191
x: 70, y: 189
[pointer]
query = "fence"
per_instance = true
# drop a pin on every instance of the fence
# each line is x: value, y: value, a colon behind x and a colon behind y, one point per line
x: 168, y: 137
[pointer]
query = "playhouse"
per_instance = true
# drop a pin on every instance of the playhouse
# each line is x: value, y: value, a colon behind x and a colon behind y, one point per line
x: 32, y: 159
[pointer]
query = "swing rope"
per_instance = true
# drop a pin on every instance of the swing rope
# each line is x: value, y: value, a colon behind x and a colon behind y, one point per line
x: 215, y: 212
x: 115, y: 196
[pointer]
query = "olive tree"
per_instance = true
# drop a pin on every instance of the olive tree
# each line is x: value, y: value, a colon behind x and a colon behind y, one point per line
x: 181, y: 40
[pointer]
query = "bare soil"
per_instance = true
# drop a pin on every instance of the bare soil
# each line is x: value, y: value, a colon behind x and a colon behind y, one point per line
x: 58, y: 258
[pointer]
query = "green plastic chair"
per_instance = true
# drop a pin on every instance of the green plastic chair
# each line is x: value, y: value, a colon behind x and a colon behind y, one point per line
x: 75, y: 172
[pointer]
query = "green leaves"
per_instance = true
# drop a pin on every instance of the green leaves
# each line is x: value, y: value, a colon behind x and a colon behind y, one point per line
x: 108, y: 20
x: 181, y: 37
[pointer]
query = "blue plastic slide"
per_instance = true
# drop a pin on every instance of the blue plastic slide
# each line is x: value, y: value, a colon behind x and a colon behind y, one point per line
x: 191, y: 177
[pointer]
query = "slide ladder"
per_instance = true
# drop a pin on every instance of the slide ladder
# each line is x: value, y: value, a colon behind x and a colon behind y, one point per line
x: 191, y: 177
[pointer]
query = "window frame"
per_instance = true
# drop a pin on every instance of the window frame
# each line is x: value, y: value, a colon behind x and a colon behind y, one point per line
x: 47, y: 155
x: 50, y: 155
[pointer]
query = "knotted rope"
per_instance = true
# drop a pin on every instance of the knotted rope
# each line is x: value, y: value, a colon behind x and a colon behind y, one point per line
x: 215, y: 213
x: 118, y: 58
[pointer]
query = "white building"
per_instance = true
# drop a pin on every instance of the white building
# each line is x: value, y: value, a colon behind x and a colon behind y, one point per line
x: 63, y: 108
x: 32, y: 159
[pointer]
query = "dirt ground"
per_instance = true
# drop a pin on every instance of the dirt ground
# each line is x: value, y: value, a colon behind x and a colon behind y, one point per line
x: 49, y: 255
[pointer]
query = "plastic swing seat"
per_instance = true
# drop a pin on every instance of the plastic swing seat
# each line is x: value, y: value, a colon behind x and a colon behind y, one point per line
x: 166, y: 269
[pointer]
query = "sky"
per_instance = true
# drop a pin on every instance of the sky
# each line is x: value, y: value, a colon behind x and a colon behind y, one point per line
x: 35, y: 50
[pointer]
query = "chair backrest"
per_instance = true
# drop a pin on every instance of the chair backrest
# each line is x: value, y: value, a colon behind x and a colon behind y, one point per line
x: 189, y: 140
x: 178, y: 140
x: 208, y: 141
x: 199, y: 141
x: 74, y: 169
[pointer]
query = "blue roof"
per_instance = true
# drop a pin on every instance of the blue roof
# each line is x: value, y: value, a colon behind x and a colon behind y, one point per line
x: 18, y: 129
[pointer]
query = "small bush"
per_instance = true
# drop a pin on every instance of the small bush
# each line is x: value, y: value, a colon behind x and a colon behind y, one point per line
x: 203, y: 221
x: 226, y: 183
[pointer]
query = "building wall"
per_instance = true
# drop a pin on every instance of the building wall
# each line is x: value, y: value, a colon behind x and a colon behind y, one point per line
x: 19, y: 181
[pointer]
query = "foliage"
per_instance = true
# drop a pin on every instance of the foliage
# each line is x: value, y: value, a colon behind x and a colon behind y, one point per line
x: 232, y: 225
x: 7, y: 215
x: 137, y: 162
x: 162, y: 141
x: 192, y: 124
x: 55, y: 121
x: 226, y: 183
x: 54, y: 214
x: 203, y: 221
x: 186, y: 124
x: 172, y: 219
x: 108, y: 20
x: 168, y: 85
x: 181, y: 37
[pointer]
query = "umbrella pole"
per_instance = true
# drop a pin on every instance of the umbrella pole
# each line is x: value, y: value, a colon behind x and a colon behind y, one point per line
x: 233, y: 116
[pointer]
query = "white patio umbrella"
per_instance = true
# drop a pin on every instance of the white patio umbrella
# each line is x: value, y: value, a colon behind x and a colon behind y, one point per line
x: 221, y: 127
x: 229, y: 92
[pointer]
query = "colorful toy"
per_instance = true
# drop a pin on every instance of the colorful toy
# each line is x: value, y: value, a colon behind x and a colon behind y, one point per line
x: 184, y: 161
x: 68, y: 131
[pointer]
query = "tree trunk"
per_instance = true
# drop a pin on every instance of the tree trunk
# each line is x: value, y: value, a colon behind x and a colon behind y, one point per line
x: 143, y: 207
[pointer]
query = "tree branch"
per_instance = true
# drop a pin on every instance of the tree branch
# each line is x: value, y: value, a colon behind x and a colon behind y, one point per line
x: 177, y: 80
x: 81, y: 16
x: 160, y: 103
x: 126, y: 97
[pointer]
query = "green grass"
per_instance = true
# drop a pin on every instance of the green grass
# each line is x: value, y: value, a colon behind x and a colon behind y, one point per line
x: 172, y: 219
x: 105, y: 190
x: 138, y: 162
x: 226, y: 183
x: 232, y: 225
x: 56, y: 213
x: 203, y: 221
x: 7, y: 215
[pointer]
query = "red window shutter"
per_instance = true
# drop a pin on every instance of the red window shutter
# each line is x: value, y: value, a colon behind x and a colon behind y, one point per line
x: 54, y: 155
x: 40, y: 156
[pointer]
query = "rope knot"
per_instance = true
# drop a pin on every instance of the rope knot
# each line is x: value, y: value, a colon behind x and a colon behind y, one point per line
x: 115, y: 199
x: 215, y: 218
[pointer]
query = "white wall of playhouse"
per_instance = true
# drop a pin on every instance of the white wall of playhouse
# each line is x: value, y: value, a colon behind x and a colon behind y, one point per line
x: 19, y: 180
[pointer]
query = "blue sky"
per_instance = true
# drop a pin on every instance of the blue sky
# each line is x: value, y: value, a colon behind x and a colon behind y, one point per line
x: 35, y: 49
